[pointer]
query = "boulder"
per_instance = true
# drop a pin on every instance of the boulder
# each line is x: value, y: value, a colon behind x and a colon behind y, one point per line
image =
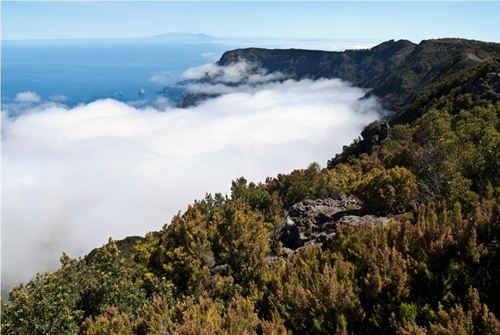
x: 316, y: 221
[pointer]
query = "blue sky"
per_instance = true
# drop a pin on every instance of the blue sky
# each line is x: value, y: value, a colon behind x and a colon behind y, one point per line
x: 349, y: 20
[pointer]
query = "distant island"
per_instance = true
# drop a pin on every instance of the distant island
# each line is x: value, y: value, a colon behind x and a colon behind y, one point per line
x: 399, y: 234
x: 184, y: 37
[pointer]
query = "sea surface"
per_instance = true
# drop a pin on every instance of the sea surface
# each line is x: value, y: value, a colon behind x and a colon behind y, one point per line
x: 72, y: 72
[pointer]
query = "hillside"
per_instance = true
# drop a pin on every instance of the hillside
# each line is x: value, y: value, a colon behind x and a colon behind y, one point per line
x: 403, y: 238
x: 395, y: 71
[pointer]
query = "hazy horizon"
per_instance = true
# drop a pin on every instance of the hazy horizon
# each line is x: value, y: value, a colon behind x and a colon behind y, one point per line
x: 278, y: 20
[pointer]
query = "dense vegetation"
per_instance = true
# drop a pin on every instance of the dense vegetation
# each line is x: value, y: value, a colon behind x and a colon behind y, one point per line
x: 219, y: 268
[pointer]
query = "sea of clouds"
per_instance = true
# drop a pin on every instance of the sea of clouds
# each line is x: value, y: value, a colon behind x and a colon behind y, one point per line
x: 72, y: 177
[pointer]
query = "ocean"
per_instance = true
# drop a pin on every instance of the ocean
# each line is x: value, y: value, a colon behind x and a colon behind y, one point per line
x: 73, y: 72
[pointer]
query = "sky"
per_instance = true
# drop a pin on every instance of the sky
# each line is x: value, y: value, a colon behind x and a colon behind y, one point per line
x: 322, y: 20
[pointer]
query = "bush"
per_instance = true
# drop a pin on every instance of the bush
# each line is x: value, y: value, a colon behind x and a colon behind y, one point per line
x: 388, y: 190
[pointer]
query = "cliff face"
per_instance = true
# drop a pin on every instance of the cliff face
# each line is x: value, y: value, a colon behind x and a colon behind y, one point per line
x: 395, y: 71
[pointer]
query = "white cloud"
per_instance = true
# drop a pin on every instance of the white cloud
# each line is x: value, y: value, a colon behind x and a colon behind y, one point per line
x: 310, y: 44
x: 27, y: 97
x: 235, y: 73
x: 72, y: 177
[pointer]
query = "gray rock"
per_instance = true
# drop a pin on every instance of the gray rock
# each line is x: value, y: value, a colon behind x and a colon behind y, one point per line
x: 354, y: 220
x: 316, y: 221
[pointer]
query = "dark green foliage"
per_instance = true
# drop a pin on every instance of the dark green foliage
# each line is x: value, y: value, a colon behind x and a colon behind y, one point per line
x: 438, y: 157
x: 454, y: 157
x: 301, y: 184
x: 258, y: 197
x: 387, y: 190
x: 59, y: 302
x: 213, y: 234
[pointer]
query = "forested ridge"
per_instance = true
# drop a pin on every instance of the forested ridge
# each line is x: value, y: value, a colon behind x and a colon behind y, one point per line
x: 398, y: 72
x: 431, y: 266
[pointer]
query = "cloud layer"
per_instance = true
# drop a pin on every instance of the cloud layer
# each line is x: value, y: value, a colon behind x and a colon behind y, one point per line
x: 287, y: 43
x: 72, y: 177
x: 236, y: 73
x: 27, y: 97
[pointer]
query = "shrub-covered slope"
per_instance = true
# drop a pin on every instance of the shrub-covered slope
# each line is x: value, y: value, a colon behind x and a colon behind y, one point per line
x: 432, y: 265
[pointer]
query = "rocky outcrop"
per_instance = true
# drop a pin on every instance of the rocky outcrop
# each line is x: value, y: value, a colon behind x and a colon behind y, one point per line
x: 316, y: 221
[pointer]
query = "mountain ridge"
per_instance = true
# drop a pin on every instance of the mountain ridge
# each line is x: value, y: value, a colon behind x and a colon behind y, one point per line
x: 394, y: 71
